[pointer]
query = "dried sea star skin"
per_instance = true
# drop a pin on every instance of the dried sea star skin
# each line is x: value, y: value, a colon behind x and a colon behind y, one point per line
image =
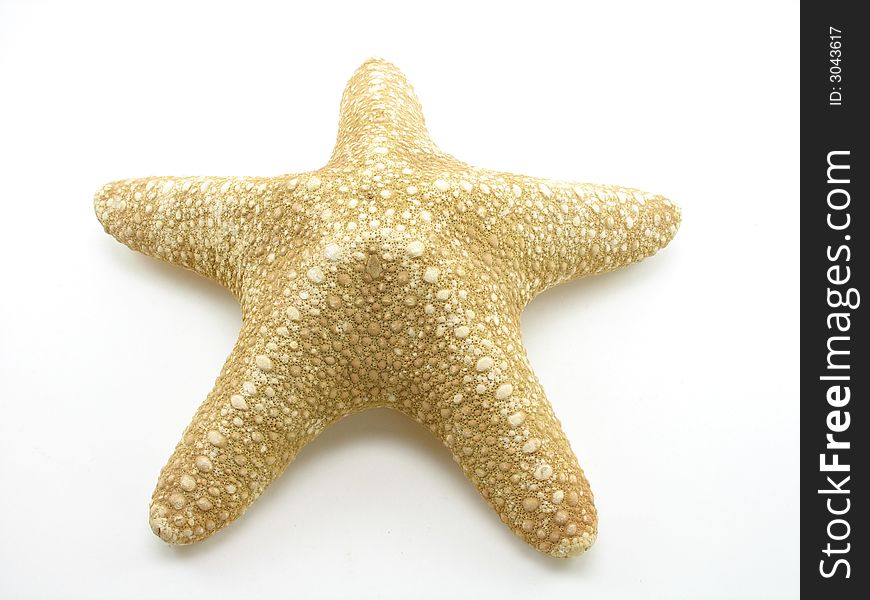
x: 392, y: 277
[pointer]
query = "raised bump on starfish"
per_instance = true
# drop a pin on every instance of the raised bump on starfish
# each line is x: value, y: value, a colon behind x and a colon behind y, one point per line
x: 394, y: 276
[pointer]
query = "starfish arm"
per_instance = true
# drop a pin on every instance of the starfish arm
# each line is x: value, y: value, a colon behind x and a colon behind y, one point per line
x: 261, y: 412
x: 551, y: 231
x: 503, y: 432
x: 380, y: 114
x: 201, y: 223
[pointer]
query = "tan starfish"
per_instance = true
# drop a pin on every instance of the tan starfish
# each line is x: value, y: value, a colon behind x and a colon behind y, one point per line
x: 392, y: 277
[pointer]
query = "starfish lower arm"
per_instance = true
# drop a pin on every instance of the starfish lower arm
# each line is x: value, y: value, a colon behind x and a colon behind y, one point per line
x: 250, y: 427
x: 502, y: 430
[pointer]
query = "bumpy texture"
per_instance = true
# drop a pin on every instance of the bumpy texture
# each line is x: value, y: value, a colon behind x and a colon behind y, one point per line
x: 394, y: 276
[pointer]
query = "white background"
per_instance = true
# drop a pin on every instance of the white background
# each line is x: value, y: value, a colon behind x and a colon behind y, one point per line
x: 675, y: 379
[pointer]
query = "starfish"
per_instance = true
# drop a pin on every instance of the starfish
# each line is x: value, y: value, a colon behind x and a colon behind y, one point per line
x: 394, y: 277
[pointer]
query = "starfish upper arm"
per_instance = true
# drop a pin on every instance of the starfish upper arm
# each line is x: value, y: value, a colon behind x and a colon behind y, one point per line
x: 202, y: 223
x: 552, y: 231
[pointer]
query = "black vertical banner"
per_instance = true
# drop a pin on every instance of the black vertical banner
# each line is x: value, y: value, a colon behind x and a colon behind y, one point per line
x: 835, y: 368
